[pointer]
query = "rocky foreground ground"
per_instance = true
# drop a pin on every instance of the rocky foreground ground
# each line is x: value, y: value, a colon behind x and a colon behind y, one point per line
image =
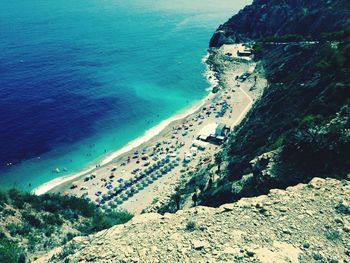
x: 305, y: 223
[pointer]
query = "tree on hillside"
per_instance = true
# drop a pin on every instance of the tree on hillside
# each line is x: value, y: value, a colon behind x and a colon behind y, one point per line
x: 195, y: 199
x: 218, y: 160
x: 177, y: 200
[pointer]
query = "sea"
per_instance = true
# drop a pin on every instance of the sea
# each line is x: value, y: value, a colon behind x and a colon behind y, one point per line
x: 80, y: 79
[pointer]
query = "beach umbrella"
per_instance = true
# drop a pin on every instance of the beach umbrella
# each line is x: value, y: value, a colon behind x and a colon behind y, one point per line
x: 129, y: 192
x: 139, y: 186
x: 122, y: 185
x: 150, y: 180
x: 119, y: 201
x: 128, y: 182
x: 112, y: 204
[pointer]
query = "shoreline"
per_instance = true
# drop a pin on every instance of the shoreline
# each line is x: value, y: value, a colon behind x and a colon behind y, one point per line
x: 137, y: 176
x: 146, y: 137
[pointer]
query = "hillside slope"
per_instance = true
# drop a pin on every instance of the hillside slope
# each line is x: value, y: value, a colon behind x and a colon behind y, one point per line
x: 306, y: 223
x: 300, y: 127
x: 266, y: 18
x: 31, y: 225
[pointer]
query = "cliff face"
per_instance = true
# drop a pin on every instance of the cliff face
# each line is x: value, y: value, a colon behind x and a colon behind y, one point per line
x: 306, y: 223
x: 267, y: 18
x: 301, y: 122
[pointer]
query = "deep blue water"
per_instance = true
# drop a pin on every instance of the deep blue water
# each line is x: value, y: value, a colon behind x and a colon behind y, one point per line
x: 81, y: 78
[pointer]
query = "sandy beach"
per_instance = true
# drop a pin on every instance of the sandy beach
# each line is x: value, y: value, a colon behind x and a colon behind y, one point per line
x: 148, y: 168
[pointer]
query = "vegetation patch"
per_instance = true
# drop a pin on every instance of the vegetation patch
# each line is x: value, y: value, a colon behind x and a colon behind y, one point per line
x: 37, y: 223
x: 191, y: 226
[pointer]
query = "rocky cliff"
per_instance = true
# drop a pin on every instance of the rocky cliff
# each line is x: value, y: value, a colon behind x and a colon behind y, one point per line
x: 306, y: 223
x: 267, y: 18
x: 301, y: 123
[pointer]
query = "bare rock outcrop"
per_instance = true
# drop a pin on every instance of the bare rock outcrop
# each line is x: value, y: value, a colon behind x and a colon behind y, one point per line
x: 305, y: 223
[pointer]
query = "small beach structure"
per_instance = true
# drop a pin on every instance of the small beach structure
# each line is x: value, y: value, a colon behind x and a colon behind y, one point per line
x: 201, y: 145
x: 207, y: 131
x: 244, y: 51
x: 194, y: 151
x: 237, y: 51
x: 221, y: 133
x: 229, y: 50
x: 213, y: 133
x: 221, y: 130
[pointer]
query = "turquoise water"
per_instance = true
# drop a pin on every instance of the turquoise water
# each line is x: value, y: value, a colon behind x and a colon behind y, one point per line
x: 81, y: 78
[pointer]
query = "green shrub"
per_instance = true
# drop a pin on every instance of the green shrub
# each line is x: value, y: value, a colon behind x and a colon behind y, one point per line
x: 14, y: 193
x: 310, y: 119
x: 13, y: 228
x: 319, y: 148
x: 337, y: 36
x: 343, y: 208
x: 9, y: 251
x: 278, y: 143
x: 52, y: 219
x: 32, y: 219
x: 286, y: 38
x: 48, y: 230
x: 3, y: 197
x: 258, y: 50
x: 215, y: 89
x: 155, y: 200
x: 24, y: 229
x: 106, y: 220
x: 21, y: 258
x: 52, y: 206
x: 69, y: 237
x: 191, y: 226
x: 332, y: 235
